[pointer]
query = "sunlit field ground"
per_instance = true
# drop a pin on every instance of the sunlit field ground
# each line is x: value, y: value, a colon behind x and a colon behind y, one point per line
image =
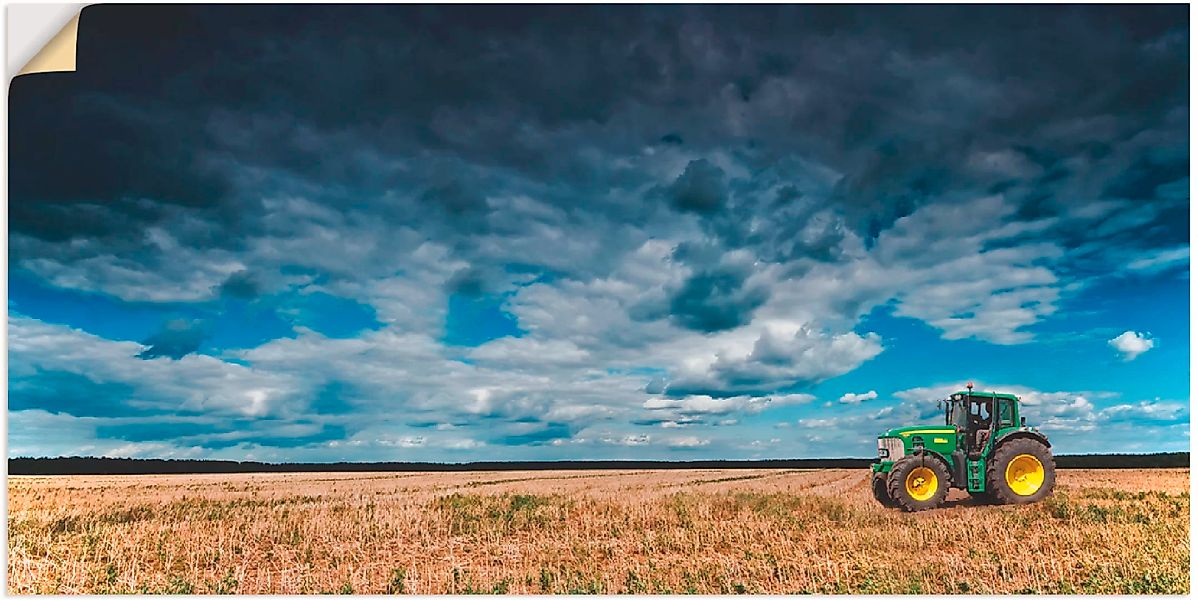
x: 694, y: 531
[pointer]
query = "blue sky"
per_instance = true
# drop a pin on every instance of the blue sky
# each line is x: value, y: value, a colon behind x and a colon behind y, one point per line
x: 586, y: 233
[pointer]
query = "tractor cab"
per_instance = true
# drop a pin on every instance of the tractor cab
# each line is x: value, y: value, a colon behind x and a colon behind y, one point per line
x: 984, y: 447
x: 976, y: 417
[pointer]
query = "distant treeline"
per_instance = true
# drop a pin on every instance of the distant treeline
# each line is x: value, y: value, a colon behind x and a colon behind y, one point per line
x: 76, y: 465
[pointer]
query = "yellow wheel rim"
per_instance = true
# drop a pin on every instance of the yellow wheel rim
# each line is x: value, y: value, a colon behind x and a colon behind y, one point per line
x: 1025, y: 474
x: 922, y: 483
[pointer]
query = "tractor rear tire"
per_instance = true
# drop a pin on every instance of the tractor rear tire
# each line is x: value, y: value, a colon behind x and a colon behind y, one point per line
x: 1021, y: 471
x: 918, y: 482
x: 881, y: 493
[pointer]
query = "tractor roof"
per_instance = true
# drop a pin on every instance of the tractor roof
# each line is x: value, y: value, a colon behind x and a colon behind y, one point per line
x: 988, y: 395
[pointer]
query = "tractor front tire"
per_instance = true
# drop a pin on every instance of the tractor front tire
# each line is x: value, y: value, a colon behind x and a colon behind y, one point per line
x: 918, y: 482
x: 1021, y: 471
x: 881, y: 493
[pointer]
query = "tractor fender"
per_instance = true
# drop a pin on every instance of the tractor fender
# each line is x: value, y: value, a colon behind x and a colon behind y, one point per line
x: 1022, y: 434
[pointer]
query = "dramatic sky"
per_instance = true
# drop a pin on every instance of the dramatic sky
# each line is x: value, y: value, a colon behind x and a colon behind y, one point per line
x: 464, y: 233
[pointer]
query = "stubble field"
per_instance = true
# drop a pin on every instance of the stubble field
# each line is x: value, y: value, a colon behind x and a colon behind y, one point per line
x: 649, y: 532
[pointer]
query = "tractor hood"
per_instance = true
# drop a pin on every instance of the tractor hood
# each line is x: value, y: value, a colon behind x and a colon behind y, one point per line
x: 907, y: 432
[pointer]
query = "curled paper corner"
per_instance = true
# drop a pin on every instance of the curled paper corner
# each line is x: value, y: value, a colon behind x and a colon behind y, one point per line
x: 58, y: 54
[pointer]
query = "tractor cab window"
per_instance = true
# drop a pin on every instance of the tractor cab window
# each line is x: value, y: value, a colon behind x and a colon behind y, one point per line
x: 979, y: 414
x: 1006, y: 413
x: 958, y: 413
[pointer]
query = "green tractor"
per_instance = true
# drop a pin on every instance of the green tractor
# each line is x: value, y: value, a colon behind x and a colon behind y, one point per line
x: 984, y: 447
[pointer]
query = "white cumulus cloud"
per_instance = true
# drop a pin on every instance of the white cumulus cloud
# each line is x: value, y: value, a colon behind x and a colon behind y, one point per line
x: 1131, y: 344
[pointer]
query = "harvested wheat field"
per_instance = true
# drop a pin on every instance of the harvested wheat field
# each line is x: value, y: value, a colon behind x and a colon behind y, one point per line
x: 649, y: 532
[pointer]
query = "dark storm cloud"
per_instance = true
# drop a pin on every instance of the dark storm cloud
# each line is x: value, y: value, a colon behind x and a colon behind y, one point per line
x: 544, y: 435
x: 176, y: 339
x: 70, y: 393
x: 223, y: 435
x: 241, y: 284
x: 700, y: 188
x: 91, y: 166
x: 474, y: 282
x: 326, y: 433
x: 897, y: 98
x: 157, y: 430
x: 716, y: 299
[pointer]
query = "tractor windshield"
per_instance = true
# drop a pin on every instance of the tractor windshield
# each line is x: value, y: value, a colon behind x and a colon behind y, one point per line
x: 957, y: 414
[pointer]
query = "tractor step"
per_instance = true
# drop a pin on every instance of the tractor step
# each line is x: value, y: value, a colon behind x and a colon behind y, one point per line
x: 976, y: 480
